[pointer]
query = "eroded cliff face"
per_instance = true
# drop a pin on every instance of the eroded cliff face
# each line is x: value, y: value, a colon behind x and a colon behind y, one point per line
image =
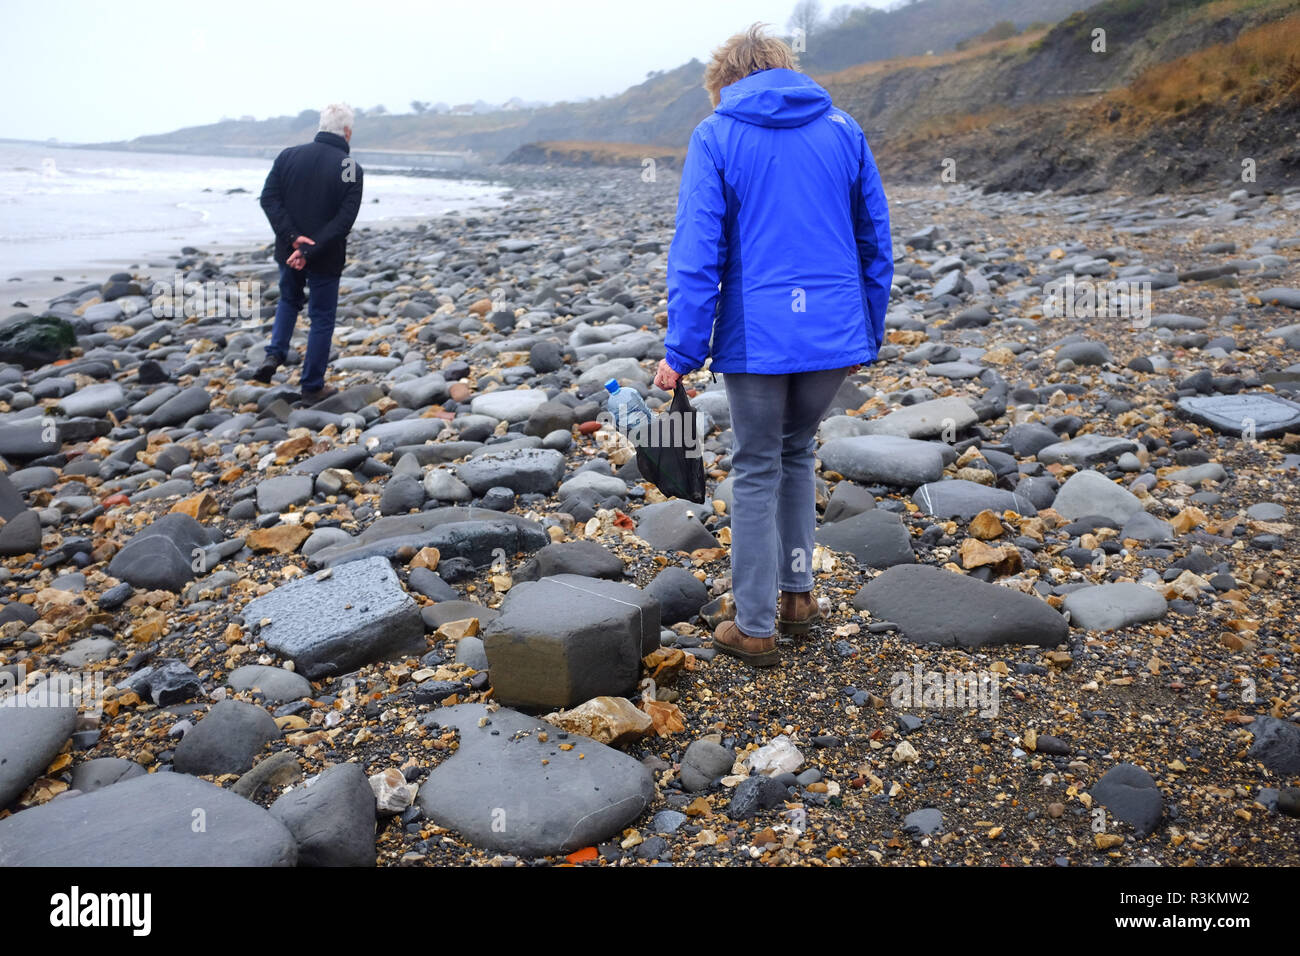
x: 1047, y: 112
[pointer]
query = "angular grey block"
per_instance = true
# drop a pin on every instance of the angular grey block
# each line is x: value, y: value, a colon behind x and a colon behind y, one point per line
x: 359, y: 614
x: 565, y: 639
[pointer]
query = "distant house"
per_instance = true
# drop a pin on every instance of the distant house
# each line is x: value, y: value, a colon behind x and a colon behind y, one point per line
x: 464, y: 109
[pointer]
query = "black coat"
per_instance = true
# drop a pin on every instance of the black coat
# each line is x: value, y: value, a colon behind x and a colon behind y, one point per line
x: 314, y: 190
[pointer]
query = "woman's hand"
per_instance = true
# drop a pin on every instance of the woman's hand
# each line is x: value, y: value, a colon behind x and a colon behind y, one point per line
x: 665, y: 377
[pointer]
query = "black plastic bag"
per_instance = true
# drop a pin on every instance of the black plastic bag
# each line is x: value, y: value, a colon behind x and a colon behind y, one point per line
x: 672, y: 458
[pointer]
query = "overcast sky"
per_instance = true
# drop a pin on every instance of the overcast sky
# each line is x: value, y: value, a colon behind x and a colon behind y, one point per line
x: 90, y: 71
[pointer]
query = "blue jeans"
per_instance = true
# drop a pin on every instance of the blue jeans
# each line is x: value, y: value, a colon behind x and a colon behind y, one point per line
x: 774, y: 514
x: 321, y: 307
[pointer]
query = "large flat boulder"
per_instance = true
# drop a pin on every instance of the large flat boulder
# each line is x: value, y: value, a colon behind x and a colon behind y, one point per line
x: 159, y: 819
x: 1108, y: 607
x: 507, y: 791
x: 959, y: 498
x: 938, y: 418
x: 475, y: 534
x: 877, y: 539
x: 1092, y: 493
x: 933, y: 606
x: 884, y: 459
x: 1258, y: 414
x: 358, y: 614
x: 522, y: 470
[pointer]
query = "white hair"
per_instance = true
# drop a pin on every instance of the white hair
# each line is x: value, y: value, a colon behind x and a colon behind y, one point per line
x: 335, y: 118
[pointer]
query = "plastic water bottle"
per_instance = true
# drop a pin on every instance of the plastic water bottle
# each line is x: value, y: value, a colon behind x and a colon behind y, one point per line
x: 631, y: 416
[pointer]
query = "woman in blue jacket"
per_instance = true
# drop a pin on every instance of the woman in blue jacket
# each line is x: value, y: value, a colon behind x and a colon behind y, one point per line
x: 779, y: 272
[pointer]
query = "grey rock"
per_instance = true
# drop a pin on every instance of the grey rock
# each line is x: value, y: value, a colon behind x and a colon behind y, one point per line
x: 93, y: 400
x: 1277, y: 295
x: 884, y: 459
x: 1092, y: 493
x: 674, y: 526
x: 679, y: 592
x: 88, y: 650
x: 283, y: 492
x: 1147, y: 528
x: 931, y: 605
x: 1266, y: 511
x: 958, y: 498
x: 703, y: 762
x: 180, y: 408
x: 1108, y: 607
x: 931, y: 419
x: 1027, y: 439
x: 357, y: 615
x: 1259, y: 413
x: 430, y: 584
x: 165, y: 682
x: 1276, y: 745
x: 587, y: 558
x: 442, y: 485
x: 419, y: 392
x: 1197, y: 475
x: 1087, y: 449
x: 1085, y: 353
x: 332, y: 818
x: 926, y: 822
x: 603, y: 486
x: 1130, y: 795
x: 471, y: 533
x: 227, y: 740
x: 33, y: 729
x: 147, y: 821
x: 522, y: 470
x: 276, y: 684
x: 469, y: 651
x: 408, y: 431
x: 21, y: 534
x: 497, y: 793
x: 877, y: 539
x: 161, y: 555
x: 401, y: 495
x: 565, y: 639
x: 323, y: 538
x: 512, y: 405
x: 753, y: 794
x: 103, y: 772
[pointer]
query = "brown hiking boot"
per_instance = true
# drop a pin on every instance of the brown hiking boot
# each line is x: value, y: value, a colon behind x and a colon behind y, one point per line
x: 754, y: 651
x: 796, y: 612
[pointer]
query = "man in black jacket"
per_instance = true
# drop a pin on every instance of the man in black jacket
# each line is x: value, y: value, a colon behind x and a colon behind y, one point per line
x: 311, y: 198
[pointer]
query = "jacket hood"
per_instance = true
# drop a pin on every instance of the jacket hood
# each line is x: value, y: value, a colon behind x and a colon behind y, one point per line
x: 775, y: 98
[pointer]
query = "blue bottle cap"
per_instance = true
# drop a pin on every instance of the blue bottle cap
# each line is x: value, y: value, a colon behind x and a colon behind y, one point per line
x: 611, y: 386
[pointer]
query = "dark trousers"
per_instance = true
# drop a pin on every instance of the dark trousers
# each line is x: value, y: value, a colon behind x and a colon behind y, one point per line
x: 321, y: 293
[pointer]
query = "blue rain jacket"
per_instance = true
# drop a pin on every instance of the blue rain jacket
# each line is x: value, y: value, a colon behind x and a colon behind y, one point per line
x: 781, y: 203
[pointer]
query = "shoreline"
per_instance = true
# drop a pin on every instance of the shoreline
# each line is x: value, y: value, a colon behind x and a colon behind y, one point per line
x: 30, y: 291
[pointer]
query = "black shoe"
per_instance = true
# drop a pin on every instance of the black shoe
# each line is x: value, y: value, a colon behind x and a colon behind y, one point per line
x: 266, y: 371
x: 318, y: 395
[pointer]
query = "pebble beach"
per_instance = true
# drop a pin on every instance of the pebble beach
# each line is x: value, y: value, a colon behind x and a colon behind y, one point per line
x: 440, y: 619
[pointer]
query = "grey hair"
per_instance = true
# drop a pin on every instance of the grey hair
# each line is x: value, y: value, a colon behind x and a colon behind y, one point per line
x: 336, y: 117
